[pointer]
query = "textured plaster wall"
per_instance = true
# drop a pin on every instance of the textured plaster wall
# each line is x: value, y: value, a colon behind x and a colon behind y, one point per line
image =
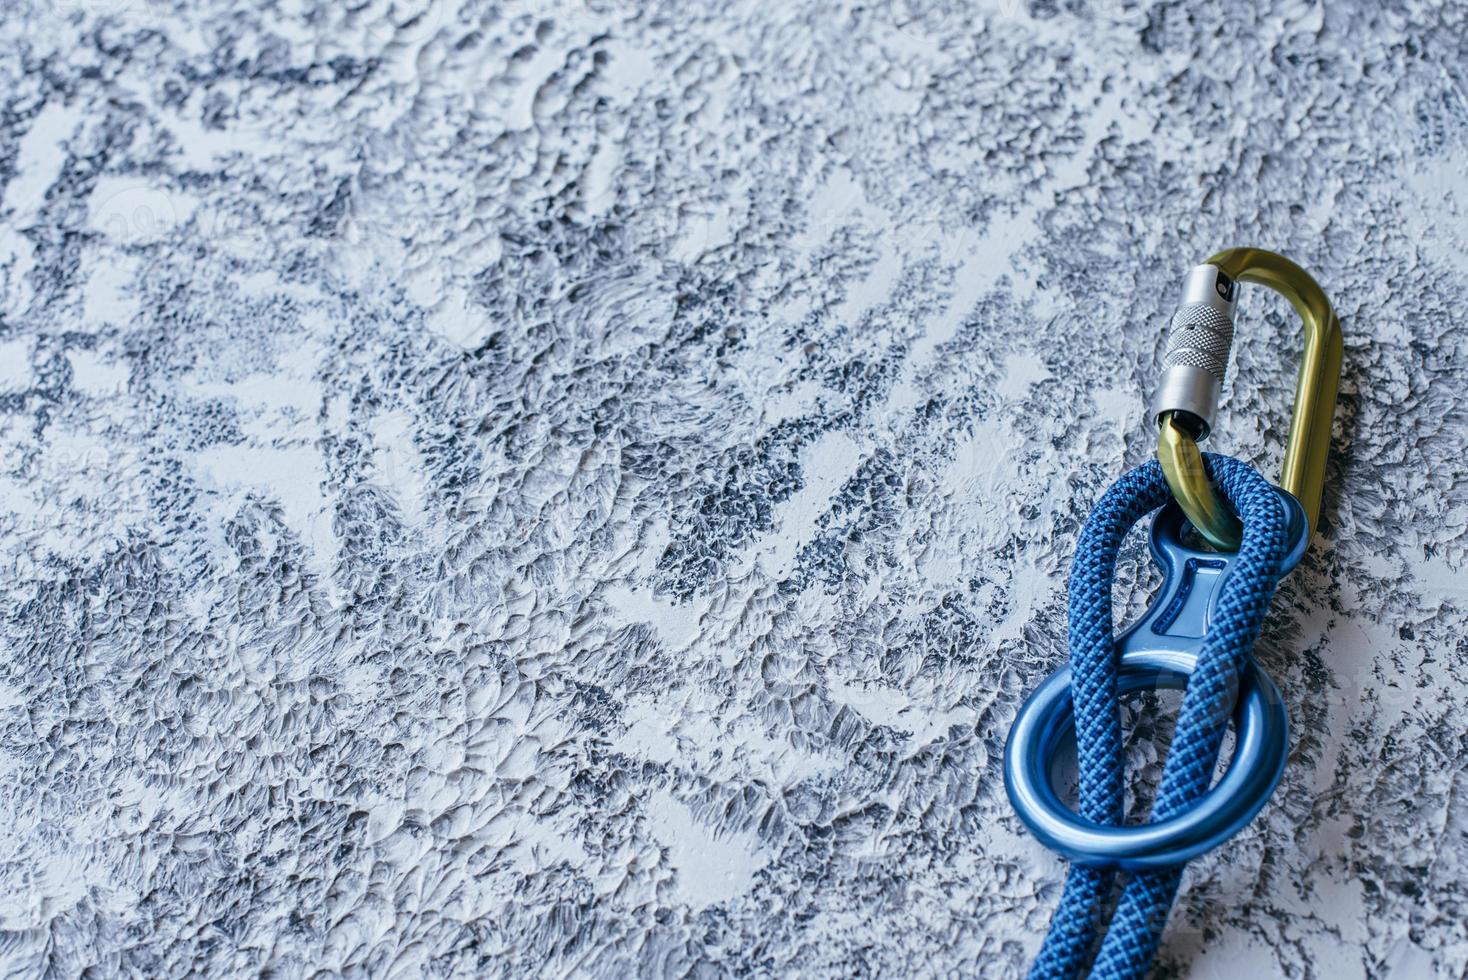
x: 582, y: 489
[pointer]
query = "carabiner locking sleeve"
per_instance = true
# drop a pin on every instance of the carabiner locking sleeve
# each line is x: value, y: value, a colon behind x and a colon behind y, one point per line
x: 1186, y: 401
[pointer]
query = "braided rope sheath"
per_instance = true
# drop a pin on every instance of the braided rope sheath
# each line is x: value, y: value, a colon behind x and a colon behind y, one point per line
x: 1136, y: 926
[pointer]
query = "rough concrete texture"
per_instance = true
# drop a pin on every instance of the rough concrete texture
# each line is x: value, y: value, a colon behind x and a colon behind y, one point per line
x: 583, y: 489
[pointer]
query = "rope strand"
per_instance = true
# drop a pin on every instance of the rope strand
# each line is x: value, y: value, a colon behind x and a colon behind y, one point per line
x: 1135, y: 929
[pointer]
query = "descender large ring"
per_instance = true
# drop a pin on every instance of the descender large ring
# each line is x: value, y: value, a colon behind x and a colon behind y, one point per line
x: 1159, y: 651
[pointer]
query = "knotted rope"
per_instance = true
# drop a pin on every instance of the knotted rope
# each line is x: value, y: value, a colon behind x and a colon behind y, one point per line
x: 1141, y: 912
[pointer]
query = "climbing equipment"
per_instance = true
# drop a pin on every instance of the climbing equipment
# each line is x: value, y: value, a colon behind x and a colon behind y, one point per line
x: 1197, y: 634
x: 1197, y: 353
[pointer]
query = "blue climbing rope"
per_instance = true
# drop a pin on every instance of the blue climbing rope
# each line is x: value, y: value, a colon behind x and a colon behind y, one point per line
x: 1135, y: 927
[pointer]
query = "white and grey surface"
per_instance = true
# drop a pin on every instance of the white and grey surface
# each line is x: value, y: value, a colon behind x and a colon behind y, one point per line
x: 582, y: 489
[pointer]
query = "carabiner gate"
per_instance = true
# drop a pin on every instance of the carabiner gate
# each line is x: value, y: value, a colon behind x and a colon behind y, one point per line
x: 1186, y: 400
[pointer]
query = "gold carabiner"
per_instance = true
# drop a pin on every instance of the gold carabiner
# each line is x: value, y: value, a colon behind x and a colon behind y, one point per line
x: 1179, y: 431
